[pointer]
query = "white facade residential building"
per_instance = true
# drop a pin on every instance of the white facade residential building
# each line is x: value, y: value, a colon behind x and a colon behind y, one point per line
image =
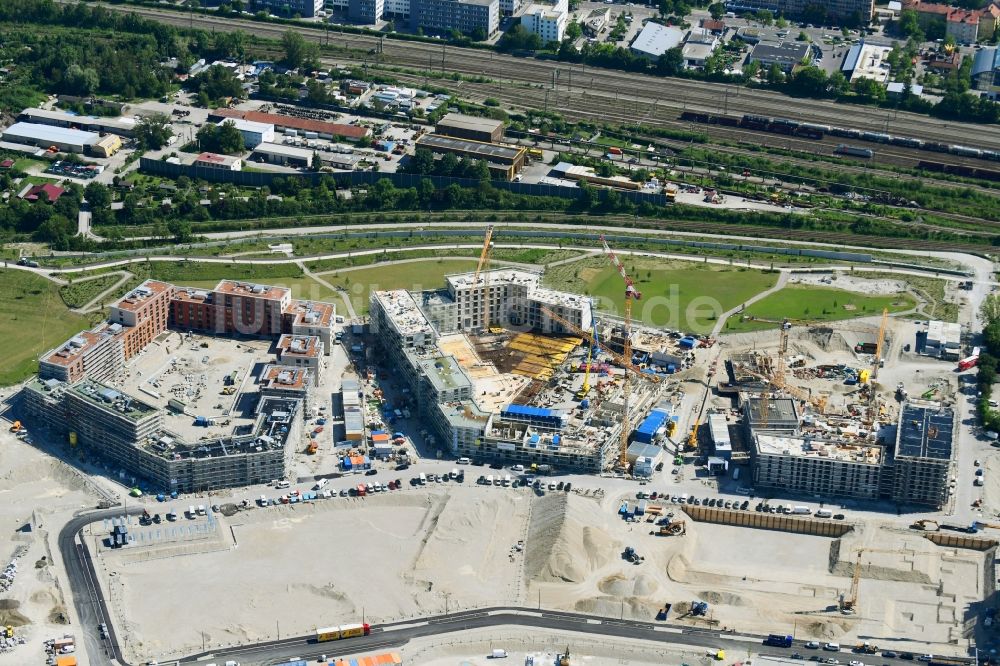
x: 547, y: 21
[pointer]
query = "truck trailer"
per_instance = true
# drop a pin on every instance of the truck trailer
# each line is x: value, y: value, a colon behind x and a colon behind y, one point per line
x: 342, y: 631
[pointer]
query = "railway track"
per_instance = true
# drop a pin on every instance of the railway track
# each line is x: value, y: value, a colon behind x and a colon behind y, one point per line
x: 608, y: 88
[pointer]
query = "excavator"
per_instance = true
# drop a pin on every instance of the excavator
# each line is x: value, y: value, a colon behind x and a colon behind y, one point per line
x: 926, y: 524
x: 673, y: 528
x: 16, y: 426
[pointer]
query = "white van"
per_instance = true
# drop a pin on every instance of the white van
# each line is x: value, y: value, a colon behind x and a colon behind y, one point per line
x: 823, y: 513
x: 454, y: 473
x: 282, y: 484
x: 517, y: 468
x: 489, y: 479
x: 423, y: 478
x: 191, y: 512
x: 319, y: 484
x: 506, y: 480
x: 201, y: 509
x: 263, y: 500
x: 831, y: 647
x: 464, y: 461
x: 684, y: 498
x: 801, y: 510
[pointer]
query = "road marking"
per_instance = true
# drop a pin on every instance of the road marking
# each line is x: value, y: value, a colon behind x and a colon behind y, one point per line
x: 669, y: 630
x: 397, y: 627
x: 735, y: 637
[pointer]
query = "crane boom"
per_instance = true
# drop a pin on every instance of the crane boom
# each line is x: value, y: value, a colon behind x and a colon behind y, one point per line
x: 484, y: 261
x: 631, y: 293
x: 880, y: 343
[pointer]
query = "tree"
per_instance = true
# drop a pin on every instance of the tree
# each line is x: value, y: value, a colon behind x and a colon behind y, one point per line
x: 80, y: 81
x: 810, y: 81
x: 869, y: 90
x: 764, y: 16
x: 216, y: 82
x: 751, y: 69
x: 316, y: 164
x: 671, y: 62
x: 298, y: 51
x: 775, y: 74
x: 838, y: 83
x: 989, y: 312
x: 153, y: 131
x: 517, y: 38
x: 909, y: 23
x: 224, y: 138
x: 573, y: 31
x: 781, y: 23
x: 717, y: 10
x: 422, y: 163
x: 97, y: 194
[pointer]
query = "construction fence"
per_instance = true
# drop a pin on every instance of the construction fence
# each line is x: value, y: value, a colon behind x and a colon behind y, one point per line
x: 769, y: 521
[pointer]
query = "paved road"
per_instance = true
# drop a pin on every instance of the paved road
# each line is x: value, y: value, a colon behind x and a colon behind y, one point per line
x: 85, y: 590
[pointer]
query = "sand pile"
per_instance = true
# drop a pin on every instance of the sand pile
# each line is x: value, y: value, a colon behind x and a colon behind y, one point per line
x: 561, y: 546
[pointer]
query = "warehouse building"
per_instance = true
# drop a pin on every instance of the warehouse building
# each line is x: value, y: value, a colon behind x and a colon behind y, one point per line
x: 867, y: 61
x: 64, y: 140
x: 123, y: 126
x: 474, y: 128
x: 322, y: 129
x: 292, y: 156
x: 986, y: 71
x: 254, y: 133
x: 465, y: 16
x: 786, y: 55
x: 921, y: 464
x: 654, y: 40
x: 504, y: 162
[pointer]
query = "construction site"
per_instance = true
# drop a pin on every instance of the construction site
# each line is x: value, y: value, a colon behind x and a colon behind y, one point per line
x: 506, y: 370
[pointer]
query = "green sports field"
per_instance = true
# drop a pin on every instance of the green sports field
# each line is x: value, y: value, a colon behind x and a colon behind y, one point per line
x: 816, y: 304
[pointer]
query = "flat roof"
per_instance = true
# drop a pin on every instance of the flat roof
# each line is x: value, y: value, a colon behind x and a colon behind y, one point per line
x: 299, y: 345
x: 497, y: 276
x: 249, y: 125
x: 784, y: 52
x: 926, y: 430
x: 282, y: 377
x: 312, y: 313
x: 250, y: 289
x: 485, y: 150
x: 805, y: 447
x: 135, y: 298
x: 656, y: 39
x: 778, y: 409
x: 402, y: 309
x: 52, y: 133
x: 475, y: 123
x: 444, y: 372
x: 77, y: 346
x: 292, y: 122
x: 123, y: 123
x: 113, y: 399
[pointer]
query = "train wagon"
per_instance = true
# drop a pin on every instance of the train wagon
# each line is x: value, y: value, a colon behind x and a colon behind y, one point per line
x: 342, y: 631
x: 844, y: 149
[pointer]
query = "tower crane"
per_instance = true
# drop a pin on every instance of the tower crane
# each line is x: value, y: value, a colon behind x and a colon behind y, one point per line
x: 592, y: 337
x: 849, y: 604
x: 592, y: 351
x: 631, y: 293
x: 484, y: 261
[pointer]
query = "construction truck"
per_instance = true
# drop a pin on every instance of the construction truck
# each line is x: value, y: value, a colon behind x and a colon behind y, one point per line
x: 674, y: 528
x: 16, y: 426
x: 9, y: 632
x: 312, y: 448
x: 699, y: 608
x: 866, y: 648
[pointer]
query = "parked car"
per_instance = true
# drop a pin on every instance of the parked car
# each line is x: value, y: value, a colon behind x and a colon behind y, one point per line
x: 371, y: 472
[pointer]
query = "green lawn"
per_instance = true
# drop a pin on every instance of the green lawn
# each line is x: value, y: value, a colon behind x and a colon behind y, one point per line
x: 413, y: 275
x: 33, y: 319
x: 816, y: 304
x: 679, y: 295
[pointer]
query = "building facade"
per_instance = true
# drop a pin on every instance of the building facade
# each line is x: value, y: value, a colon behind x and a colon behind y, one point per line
x: 863, y: 10
x: 365, y: 11
x: 304, y: 8
x: 547, y: 21
x: 465, y: 16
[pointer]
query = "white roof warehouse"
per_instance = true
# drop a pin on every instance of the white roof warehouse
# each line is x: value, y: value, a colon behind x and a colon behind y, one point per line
x: 44, y: 136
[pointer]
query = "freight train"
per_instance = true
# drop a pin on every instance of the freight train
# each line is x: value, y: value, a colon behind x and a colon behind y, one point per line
x: 844, y: 149
x: 817, y: 132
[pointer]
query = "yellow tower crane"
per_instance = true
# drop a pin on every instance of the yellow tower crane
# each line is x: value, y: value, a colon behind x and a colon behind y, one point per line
x: 631, y: 293
x: 484, y: 261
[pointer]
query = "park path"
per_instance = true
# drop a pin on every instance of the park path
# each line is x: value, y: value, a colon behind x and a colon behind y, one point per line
x: 778, y: 285
x: 343, y: 295
x: 96, y: 302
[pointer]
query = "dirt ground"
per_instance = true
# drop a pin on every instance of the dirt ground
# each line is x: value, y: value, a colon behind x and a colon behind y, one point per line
x: 421, y: 551
x: 294, y: 568
x: 34, y: 487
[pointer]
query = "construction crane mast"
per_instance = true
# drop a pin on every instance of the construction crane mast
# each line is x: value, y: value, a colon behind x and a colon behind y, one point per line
x: 879, y: 344
x: 592, y: 351
x: 631, y: 293
x: 484, y: 262
x: 591, y: 335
